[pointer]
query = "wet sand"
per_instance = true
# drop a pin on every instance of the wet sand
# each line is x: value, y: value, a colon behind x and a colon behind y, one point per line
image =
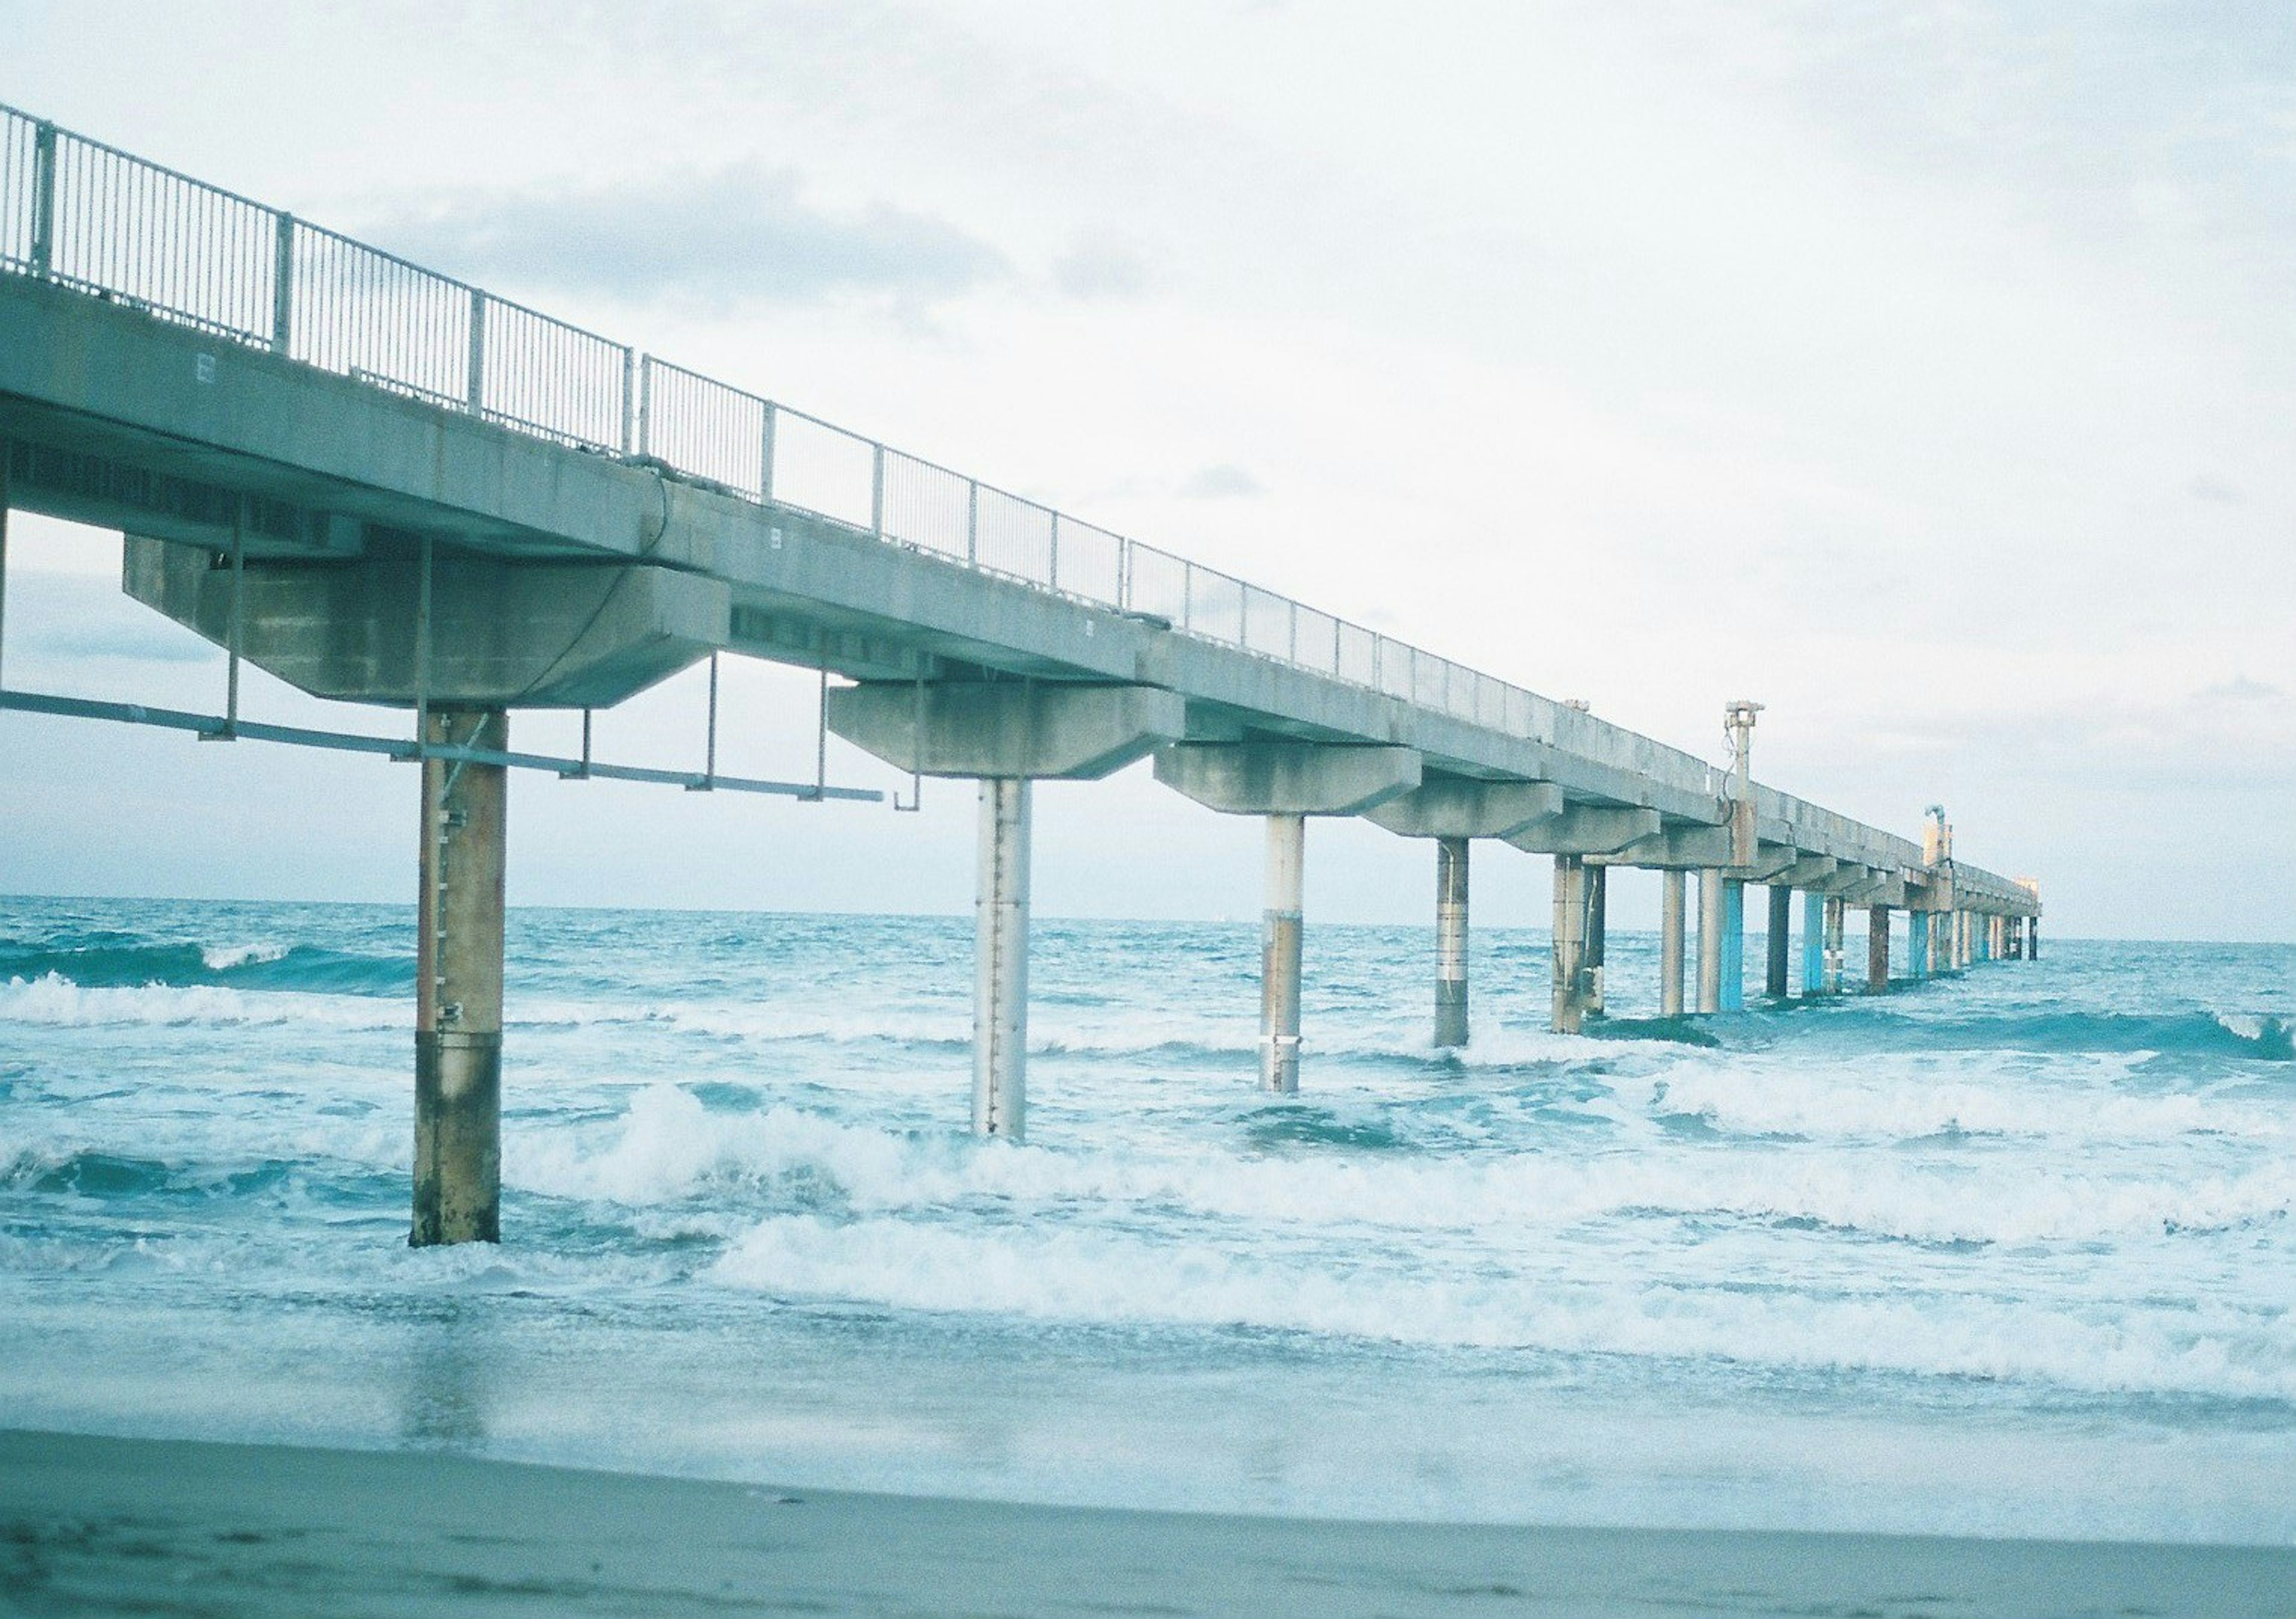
x: 119, y: 1526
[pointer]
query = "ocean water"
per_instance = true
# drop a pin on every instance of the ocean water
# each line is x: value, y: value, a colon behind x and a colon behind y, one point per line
x: 2009, y: 1253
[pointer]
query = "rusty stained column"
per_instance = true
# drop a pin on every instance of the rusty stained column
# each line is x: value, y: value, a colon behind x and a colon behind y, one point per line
x: 1279, y: 955
x: 1877, y: 948
x: 1598, y: 927
x: 1451, y: 941
x: 1779, y: 942
x: 458, y: 993
x: 1569, y: 932
x: 1673, y: 908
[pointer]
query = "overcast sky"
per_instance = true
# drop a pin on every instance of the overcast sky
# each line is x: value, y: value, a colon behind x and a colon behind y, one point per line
x: 1927, y: 371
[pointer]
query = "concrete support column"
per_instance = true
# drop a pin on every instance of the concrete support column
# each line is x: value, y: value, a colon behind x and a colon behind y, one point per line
x: 4, y: 497
x: 1733, y: 944
x: 1598, y: 892
x: 1877, y: 948
x: 1570, y: 934
x: 1780, y: 946
x: 1836, y: 923
x: 1710, y: 906
x: 1673, y: 901
x: 1451, y: 941
x: 1813, y: 942
x: 1000, y: 987
x: 1917, y: 944
x: 2032, y: 939
x: 1279, y: 955
x: 458, y: 985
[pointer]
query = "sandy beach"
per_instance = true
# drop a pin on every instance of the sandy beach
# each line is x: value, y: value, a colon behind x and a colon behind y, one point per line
x: 116, y: 1526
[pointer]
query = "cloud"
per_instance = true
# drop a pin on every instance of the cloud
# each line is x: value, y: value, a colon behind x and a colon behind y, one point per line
x: 1226, y: 481
x: 2205, y: 487
x: 726, y: 237
x: 1102, y: 266
x: 2240, y: 689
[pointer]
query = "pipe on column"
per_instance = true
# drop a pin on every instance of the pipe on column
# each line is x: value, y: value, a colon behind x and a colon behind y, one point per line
x: 1813, y: 942
x: 1711, y: 904
x: 1000, y: 991
x: 458, y: 986
x: 1778, y: 944
x: 1451, y: 941
x: 1877, y: 948
x: 1598, y: 888
x: 1733, y: 944
x: 1279, y: 955
x: 1569, y: 933
x: 1673, y: 902
x: 1836, y: 926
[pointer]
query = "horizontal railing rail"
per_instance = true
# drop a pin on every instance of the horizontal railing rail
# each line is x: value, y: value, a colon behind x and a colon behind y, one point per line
x: 79, y: 213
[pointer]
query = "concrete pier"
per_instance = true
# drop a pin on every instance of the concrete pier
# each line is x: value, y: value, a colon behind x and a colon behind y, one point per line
x: 1813, y: 942
x: 1836, y: 923
x: 1733, y: 944
x: 458, y: 986
x: 1453, y: 811
x: 1673, y: 901
x: 1451, y: 941
x: 1710, y: 906
x: 1877, y: 948
x: 1779, y: 944
x: 1000, y: 1000
x: 1279, y: 955
x: 1569, y: 933
x: 1917, y: 944
x: 1004, y: 734
x: 1286, y: 783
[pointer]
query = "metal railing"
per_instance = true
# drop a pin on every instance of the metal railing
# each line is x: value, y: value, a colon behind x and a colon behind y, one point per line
x: 81, y: 214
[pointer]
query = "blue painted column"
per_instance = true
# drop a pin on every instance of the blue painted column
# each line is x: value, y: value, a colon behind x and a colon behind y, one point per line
x: 1813, y: 944
x: 1917, y: 942
x: 1733, y: 944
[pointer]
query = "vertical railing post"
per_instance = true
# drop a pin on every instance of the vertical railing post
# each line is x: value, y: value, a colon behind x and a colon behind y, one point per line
x: 877, y: 490
x: 477, y: 390
x: 283, y: 286
x: 646, y: 405
x: 630, y: 400
x: 973, y: 522
x: 1053, y: 583
x: 765, y: 464
x: 44, y: 199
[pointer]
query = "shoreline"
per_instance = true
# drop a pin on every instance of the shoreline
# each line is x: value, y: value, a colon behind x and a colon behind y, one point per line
x: 96, y: 1526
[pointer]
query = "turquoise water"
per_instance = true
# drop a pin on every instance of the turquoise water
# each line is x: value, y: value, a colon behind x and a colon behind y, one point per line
x: 2009, y: 1253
